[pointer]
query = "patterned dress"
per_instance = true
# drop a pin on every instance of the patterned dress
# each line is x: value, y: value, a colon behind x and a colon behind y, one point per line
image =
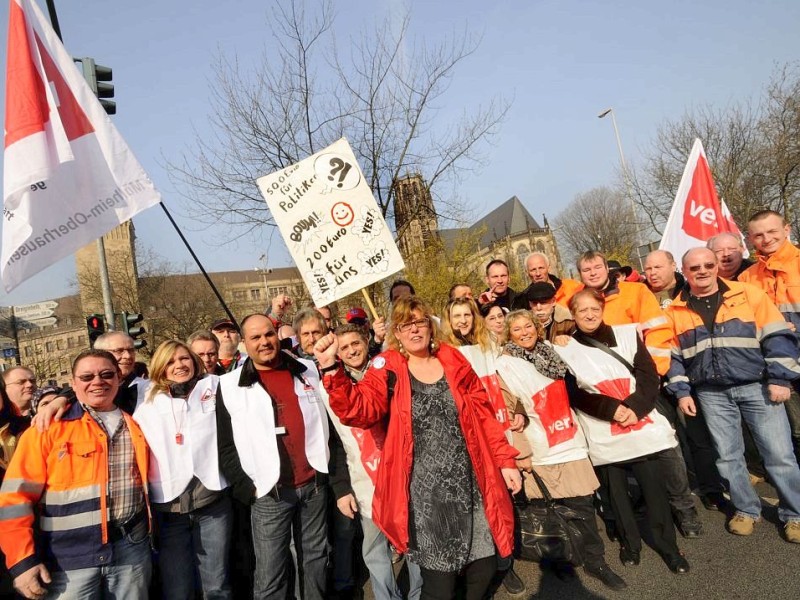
x: 447, y: 523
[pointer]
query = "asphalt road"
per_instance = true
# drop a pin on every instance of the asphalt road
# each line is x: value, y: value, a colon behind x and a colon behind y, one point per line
x: 723, y: 567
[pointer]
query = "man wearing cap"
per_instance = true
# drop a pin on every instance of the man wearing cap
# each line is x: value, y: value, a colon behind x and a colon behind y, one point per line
x: 377, y: 332
x: 537, y: 266
x: 227, y: 333
x: 556, y: 320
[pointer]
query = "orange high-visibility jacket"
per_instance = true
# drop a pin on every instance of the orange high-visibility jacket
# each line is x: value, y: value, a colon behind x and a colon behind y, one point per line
x: 628, y: 303
x: 779, y: 276
x: 61, y: 477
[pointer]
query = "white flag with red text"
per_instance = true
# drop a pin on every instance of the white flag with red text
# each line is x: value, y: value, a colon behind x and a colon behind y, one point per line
x: 68, y: 176
x: 697, y: 213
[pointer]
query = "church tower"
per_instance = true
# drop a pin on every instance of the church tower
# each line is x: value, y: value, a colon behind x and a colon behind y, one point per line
x: 120, y: 245
x: 414, y: 214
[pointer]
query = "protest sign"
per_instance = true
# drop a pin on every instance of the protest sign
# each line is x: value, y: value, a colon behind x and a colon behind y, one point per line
x: 331, y: 224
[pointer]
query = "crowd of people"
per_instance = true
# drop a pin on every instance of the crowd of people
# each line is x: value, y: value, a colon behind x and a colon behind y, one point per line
x: 249, y: 459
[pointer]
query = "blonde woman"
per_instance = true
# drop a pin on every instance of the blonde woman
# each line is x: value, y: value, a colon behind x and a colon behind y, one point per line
x: 177, y: 413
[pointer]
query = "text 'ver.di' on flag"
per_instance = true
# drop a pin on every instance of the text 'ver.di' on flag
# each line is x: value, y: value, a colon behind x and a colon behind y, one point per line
x: 68, y: 176
x: 697, y: 214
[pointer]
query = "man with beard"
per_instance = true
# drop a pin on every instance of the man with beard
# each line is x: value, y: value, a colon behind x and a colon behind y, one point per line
x: 730, y: 252
x: 557, y: 321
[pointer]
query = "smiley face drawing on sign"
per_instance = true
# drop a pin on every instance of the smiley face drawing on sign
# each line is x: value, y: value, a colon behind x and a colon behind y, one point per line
x: 342, y: 214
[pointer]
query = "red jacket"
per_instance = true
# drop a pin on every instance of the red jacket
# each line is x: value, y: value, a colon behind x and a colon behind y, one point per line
x: 366, y: 403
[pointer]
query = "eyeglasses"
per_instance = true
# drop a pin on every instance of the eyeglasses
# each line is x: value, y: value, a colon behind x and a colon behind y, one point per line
x: 207, y: 354
x: 418, y: 323
x: 706, y: 266
x: 32, y: 381
x: 541, y: 302
x: 130, y: 350
x: 89, y: 377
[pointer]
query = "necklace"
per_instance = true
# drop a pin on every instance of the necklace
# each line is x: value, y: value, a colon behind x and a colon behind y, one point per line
x: 178, y: 426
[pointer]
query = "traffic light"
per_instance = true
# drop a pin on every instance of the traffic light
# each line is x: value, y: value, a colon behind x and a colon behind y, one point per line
x: 129, y: 319
x: 99, y: 79
x: 96, y: 326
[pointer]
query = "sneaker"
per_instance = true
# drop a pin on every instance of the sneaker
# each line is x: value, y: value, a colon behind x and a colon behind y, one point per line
x: 743, y: 525
x: 513, y: 584
x: 792, y: 531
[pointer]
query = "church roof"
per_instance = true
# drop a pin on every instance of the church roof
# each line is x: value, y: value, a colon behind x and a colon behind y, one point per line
x: 509, y: 219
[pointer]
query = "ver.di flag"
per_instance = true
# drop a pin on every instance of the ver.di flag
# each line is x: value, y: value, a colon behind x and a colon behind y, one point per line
x: 697, y: 214
x: 68, y: 176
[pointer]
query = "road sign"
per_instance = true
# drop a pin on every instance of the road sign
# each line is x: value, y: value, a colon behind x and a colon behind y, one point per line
x: 37, y: 310
x: 33, y: 323
x: 9, y: 352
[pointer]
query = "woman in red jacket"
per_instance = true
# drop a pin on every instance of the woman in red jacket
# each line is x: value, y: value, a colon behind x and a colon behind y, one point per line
x: 441, y: 491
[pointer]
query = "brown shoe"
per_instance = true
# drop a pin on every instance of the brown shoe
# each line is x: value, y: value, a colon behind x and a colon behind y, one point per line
x: 792, y: 531
x: 742, y: 524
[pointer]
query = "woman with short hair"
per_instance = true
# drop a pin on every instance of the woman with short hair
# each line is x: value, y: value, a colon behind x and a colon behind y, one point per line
x: 447, y: 515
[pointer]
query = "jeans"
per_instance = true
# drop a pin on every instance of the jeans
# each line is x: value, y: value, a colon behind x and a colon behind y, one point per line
x: 303, y: 510
x: 196, y: 542
x: 724, y: 407
x: 127, y: 576
x: 378, y: 558
x: 344, y: 532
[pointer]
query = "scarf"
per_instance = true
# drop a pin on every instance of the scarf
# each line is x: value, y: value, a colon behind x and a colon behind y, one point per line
x: 543, y: 357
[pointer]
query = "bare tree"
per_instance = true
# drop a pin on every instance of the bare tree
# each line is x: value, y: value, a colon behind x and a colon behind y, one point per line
x: 753, y: 153
x: 600, y: 219
x: 385, y: 94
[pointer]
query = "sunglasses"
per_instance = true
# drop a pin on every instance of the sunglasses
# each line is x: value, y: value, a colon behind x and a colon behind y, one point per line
x: 706, y: 266
x: 89, y: 377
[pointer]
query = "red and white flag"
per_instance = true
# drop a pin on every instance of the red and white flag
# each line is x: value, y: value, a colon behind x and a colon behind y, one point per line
x: 697, y: 214
x: 68, y: 176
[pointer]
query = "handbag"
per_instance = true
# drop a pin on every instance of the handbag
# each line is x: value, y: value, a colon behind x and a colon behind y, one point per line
x: 548, y: 532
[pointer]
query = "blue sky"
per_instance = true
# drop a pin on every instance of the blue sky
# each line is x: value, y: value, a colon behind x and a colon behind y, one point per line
x: 562, y: 62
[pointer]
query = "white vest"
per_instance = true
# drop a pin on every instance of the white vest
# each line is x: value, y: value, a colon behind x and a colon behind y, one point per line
x: 598, y: 372
x: 173, y: 465
x: 363, y: 448
x: 253, y: 423
x: 553, y: 432
x: 484, y: 363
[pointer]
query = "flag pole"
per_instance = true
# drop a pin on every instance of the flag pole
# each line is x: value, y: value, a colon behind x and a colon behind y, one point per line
x: 102, y: 263
x: 108, y: 307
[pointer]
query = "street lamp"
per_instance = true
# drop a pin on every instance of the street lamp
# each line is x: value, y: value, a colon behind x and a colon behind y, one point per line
x: 626, y: 177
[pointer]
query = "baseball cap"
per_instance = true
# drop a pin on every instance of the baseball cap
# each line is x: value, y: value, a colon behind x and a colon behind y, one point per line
x: 540, y: 291
x: 224, y: 324
x: 357, y: 316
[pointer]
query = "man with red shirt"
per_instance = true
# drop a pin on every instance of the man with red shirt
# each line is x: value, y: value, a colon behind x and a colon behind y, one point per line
x: 273, y: 449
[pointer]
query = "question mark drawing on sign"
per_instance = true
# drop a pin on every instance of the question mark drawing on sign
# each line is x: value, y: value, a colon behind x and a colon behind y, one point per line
x: 337, y: 173
x: 340, y: 167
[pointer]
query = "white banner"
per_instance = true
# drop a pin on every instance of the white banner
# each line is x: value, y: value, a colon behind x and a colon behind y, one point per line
x: 68, y: 176
x: 331, y: 224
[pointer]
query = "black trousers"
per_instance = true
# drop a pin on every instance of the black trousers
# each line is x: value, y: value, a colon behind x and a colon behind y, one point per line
x: 704, y: 454
x: 646, y: 472
x: 441, y: 585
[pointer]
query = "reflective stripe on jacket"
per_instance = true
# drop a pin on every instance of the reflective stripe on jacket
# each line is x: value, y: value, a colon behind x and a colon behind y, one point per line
x: 750, y: 340
x: 61, y: 476
x: 779, y: 276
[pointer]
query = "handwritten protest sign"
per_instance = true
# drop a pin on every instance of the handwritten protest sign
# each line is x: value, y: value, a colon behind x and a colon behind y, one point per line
x: 331, y: 223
